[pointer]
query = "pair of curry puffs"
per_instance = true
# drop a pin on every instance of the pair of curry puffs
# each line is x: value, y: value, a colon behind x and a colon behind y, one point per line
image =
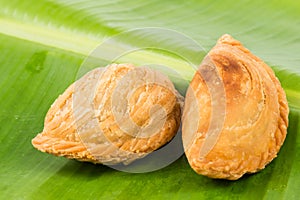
x: 234, y: 120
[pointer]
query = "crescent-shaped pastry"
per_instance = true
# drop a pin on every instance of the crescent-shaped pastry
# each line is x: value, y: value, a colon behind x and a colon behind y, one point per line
x: 112, y: 115
x: 235, y: 116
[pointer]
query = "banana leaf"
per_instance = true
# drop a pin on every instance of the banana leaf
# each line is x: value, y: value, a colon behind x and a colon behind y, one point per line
x: 44, y: 44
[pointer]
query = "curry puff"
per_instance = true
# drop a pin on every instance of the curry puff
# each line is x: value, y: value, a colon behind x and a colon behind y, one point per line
x: 235, y: 116
x: 112, y: 115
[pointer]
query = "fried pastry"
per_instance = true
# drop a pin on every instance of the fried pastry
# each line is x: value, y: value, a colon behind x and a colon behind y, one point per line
x: 112, y: 115
x: 235, y: 116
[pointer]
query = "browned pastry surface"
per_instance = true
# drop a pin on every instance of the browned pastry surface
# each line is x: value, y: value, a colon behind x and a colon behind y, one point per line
x: 255, y: 120
x: 112, y: 115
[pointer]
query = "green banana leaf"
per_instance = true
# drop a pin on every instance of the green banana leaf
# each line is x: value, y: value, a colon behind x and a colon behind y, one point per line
x: 44, y: 43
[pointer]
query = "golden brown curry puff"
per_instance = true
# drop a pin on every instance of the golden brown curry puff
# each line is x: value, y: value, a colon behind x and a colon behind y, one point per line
x: 235, y: 115
x: 112, y: 115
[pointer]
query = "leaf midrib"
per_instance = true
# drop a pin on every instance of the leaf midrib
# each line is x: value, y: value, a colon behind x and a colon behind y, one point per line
x: 49, y: 36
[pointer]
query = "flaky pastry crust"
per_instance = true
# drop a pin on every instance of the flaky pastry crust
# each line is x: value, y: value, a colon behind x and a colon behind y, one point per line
x: 112, y: 115
x: 252, y: 121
